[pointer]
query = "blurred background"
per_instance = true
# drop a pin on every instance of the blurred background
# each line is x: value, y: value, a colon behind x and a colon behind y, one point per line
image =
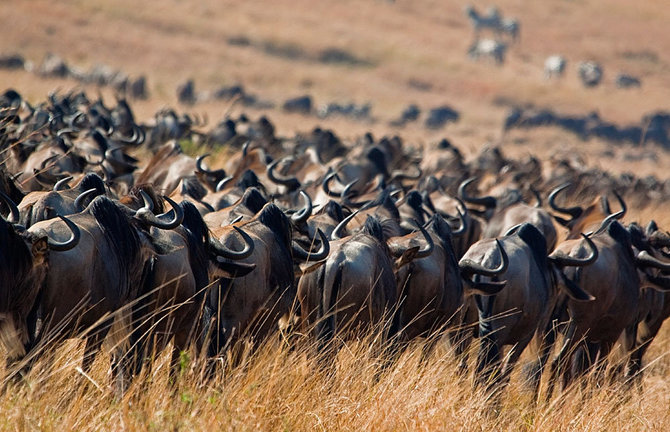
x: 476, y: 72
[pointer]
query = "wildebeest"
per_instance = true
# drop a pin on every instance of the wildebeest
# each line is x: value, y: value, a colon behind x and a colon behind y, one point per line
x: 590, y: 72
x: 25, y: 259
x: 594, y: 327
x: 251, y: 306
x: 356, y: 288
x: 512, y: 317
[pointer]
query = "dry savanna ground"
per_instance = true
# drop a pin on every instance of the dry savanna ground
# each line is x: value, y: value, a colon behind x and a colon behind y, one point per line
x: 406, y: 52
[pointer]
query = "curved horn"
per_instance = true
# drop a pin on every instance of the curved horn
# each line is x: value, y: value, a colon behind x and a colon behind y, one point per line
x: 344, y: 196
x: 198, y: 165
x: 338, y: 231
x: 564, y: 260
x: 319, y: 255
x: 13, y: 216
x: 575, y: 212
x: 222, y: 184
x: 512, y: 230
x: 470, y: 267
x: 224, y: 252
x: 464, y: 225
x: 301, y: 216
x: 402, y: 175
x: 148, y: 202
x: 423, y: 253
x: 607, y: 221
x: 79, y: 201
x: 326, y: 185
x: 291, y: 182
x: 62, y: 183
x: 71, y: 242
x: 487, y: 201
x: 622, y: 203
x: 109, y: 156
x: 147, y: 216
x: 644, y: 259
x: 245, y: 149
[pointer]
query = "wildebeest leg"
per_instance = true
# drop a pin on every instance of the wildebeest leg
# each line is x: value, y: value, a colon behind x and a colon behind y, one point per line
x: 94, y: 342
x: 563, y: 355
x: 545, y: 341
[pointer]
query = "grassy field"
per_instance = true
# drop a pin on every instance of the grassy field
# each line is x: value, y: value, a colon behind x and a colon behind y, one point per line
x: 399, y: 53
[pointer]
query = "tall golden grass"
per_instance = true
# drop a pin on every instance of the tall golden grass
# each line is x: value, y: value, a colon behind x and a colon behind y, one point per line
x: 288, y: 387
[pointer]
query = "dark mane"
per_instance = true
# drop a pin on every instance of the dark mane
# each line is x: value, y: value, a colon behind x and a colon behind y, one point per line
x: 197, y: 236
x: 248, y: 180
x: 159, y: 204
x: 92, y: 181
x: 122, y: 238
x: 536, y: 242
x: 385, y: 201
x: 374, y: 228
x: 15, y: 264
x: 192, y: 187
x: 272, y: 217
x: 334, y: 210
x: 621, y: 236
x: 253, y: 200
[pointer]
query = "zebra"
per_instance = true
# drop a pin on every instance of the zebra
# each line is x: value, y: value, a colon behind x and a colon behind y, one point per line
x: 489, y: 48
x: 554, y: 66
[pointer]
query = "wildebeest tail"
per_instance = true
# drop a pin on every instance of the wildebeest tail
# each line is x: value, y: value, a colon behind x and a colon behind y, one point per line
x: 326, y: 326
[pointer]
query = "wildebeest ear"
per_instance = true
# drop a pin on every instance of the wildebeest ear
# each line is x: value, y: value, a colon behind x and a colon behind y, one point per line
x: 407, y: 256
x: 483, y: 288
x: 231, y: 269
x: 40, y: 246
x: 573, y: 290
x: 308, y: 267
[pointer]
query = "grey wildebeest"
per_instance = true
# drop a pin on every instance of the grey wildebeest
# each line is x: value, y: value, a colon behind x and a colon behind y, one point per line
x: 170, y: 303
x: 594, y: 327
x: 253, y: 305
x: 25, y: 258
x: 503, y: 214
x: 356, y: 288
x: 514, y: 315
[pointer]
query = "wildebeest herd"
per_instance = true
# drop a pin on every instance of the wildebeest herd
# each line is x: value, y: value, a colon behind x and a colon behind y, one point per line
x: 310, y: 232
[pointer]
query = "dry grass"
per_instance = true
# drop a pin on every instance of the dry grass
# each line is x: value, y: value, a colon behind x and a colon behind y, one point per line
x: 424, y: 41
x: 281, y: 389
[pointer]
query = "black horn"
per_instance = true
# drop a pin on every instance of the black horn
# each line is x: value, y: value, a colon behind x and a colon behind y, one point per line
x: 575, y: 212
x: 487, y: 201
x: 319, y: 255
x: 470, y: 267
x: 13, y: 216
x: 290, y: 182
x: 564, y: 260
x: 224, y: 252
x: 71, y: 242
x: 303, y: 214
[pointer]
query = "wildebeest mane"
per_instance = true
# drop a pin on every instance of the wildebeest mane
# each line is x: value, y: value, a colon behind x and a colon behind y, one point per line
x: 374, y: 228
x: 536, y: 242
x: 92, y: 181
x: 384, y: 200
x: 334, y: 210
x: 253, y: 200
x: 15, y: 263
x: 123, y: 239
x: 272, y: 217
x: 197, y: 238
x: 621, y: 236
